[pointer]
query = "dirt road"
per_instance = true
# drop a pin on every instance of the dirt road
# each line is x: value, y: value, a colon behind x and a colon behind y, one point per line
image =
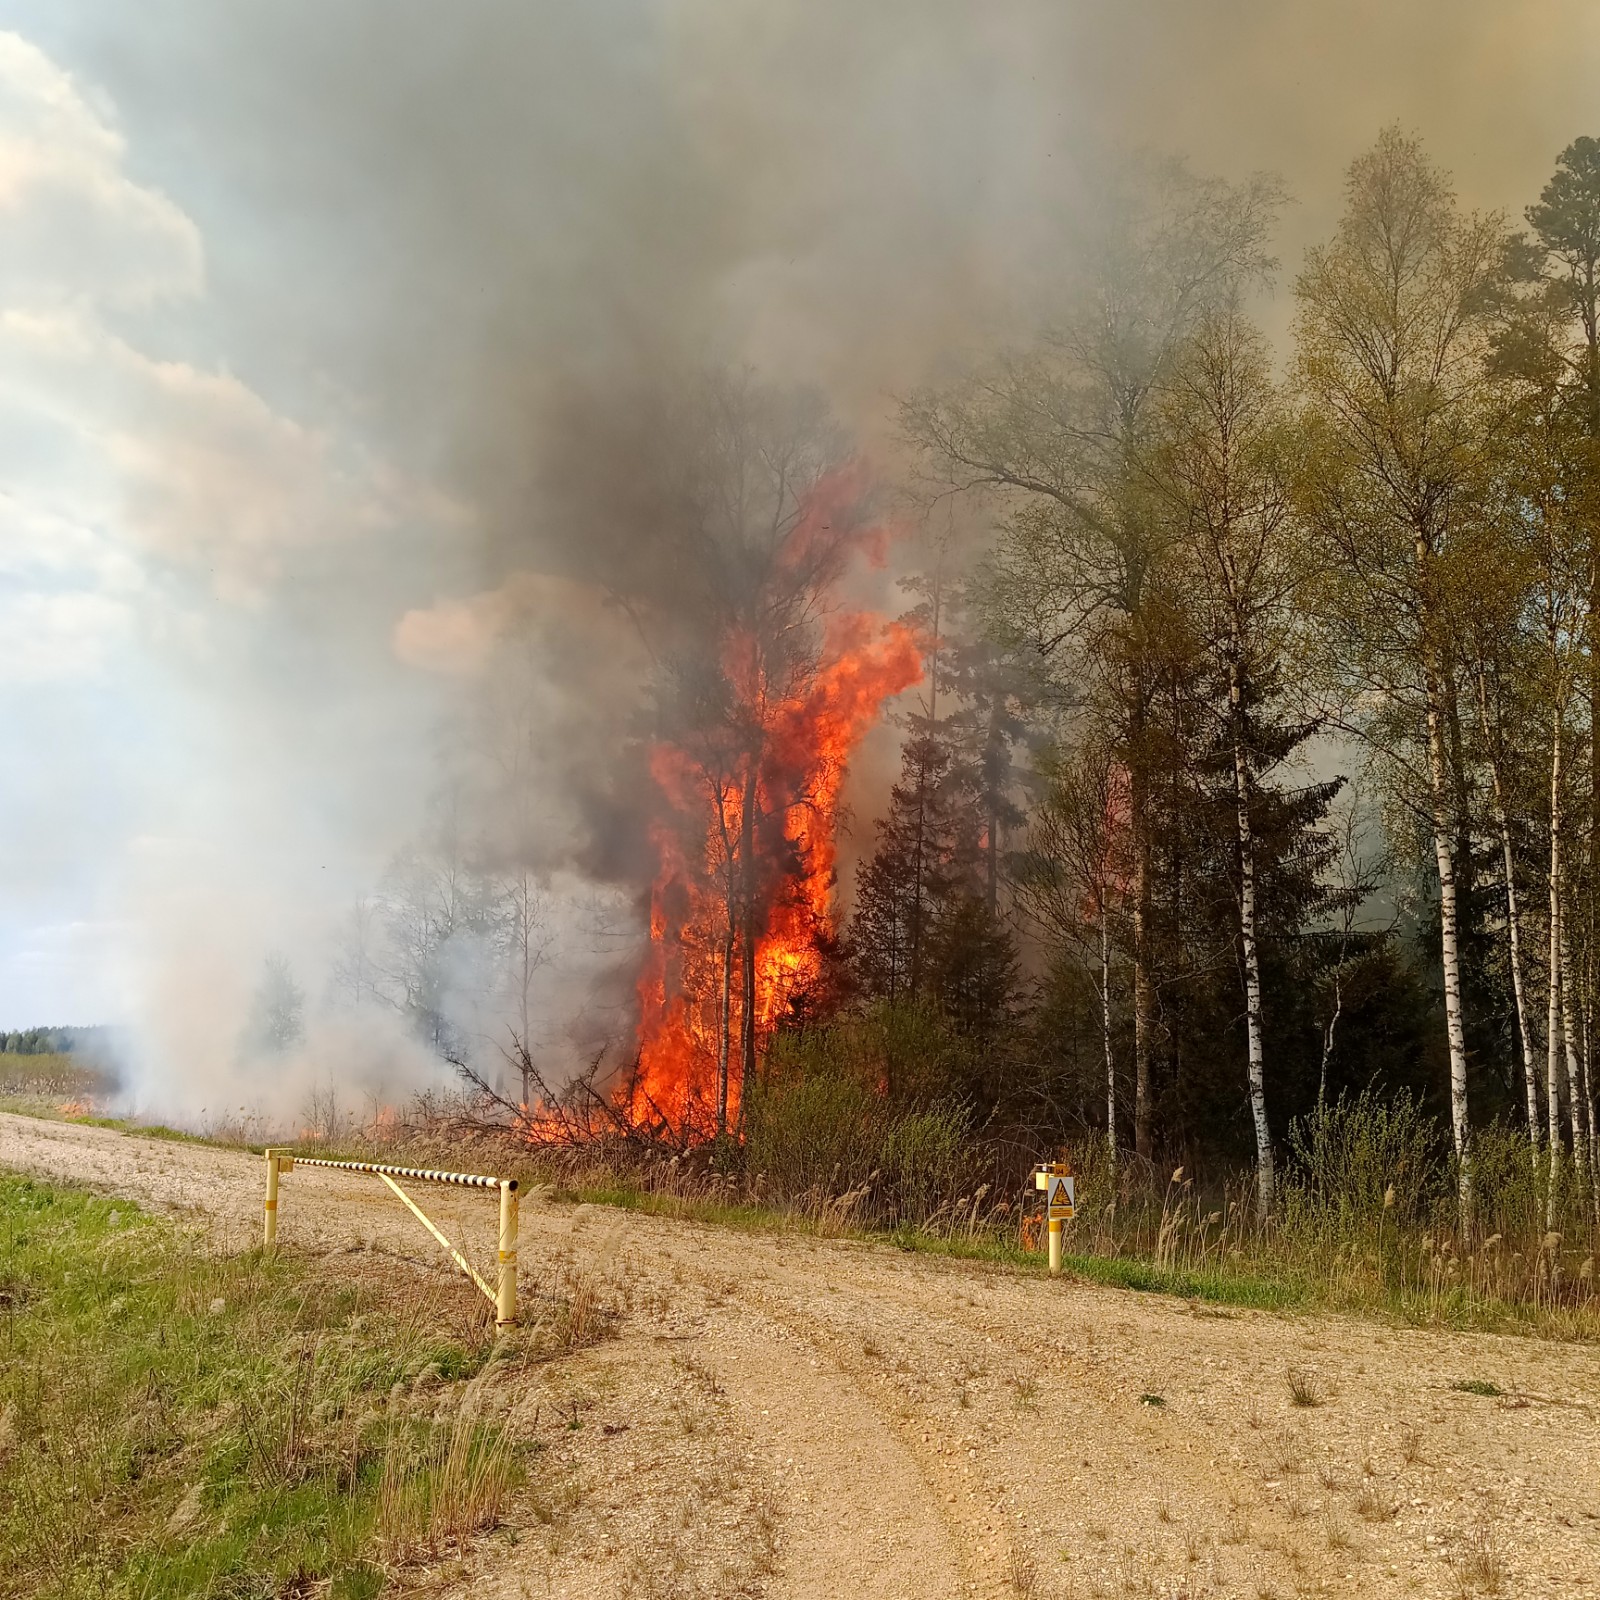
x: 803, y: 1418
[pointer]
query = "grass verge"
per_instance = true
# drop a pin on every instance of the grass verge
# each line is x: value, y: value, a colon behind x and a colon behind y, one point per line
x: 175, y: 1423
x: 1217, y: 1286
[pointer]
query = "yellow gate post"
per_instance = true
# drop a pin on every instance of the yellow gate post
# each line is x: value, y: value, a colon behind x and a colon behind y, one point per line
x: 278, y: 1162
x: 505, y: 1306
x: 269, y: 1228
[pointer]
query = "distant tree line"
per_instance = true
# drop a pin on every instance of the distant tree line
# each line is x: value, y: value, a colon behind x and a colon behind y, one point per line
x: 54, y: 1041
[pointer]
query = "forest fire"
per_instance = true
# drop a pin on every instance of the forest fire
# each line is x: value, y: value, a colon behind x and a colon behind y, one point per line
x: 741, y: 909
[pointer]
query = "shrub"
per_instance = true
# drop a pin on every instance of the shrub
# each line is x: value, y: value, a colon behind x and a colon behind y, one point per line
x: 1509, y: 1193
x: 925, y: 1160
x: 851, y: 1105
x: 806, y: 1129
x: 1349, y: 1155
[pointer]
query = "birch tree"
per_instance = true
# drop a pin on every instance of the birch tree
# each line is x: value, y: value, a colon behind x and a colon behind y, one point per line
x: 1566, y: 225
x: 1223, y: 467
x: 1495, y: 638
x: 1060, y: 432
x: 1560, y: 599
x: 1392, y: 337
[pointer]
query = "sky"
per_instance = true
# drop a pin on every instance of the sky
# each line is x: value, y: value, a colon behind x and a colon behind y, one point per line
x: 288, y: 292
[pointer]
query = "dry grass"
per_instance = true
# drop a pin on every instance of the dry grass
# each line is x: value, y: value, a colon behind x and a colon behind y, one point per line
x: 436, y: 1492
x: 1304, y: 1388
x: 1367, y: 1221
x: 1023, y: 1573
x: 1289, y: 1456
x: 1025, y: 1392
x: 1478, y: 1567
x: 1373, y: 1503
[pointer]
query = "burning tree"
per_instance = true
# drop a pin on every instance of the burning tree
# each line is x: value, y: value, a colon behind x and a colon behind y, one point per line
x: 766, y: 685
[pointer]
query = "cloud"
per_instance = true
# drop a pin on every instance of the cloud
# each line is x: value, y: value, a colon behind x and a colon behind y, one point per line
x: 197, y: 588
x: 76, y: 226
x: 54, y: 637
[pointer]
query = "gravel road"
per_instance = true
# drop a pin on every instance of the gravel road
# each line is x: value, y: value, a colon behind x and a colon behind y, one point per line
x: 804, y: 1418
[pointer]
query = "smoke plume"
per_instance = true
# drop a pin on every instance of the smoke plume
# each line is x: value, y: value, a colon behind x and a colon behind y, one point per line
x: 347, y: 355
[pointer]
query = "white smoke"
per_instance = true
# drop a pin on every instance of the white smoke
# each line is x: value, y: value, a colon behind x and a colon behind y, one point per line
x: 290, y: 334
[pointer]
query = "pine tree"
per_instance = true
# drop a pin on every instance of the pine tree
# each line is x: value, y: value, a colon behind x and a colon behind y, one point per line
x: 903, y: 886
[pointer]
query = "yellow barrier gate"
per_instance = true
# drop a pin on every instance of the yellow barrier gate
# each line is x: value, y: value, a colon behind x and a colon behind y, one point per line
x: 503, y: 1297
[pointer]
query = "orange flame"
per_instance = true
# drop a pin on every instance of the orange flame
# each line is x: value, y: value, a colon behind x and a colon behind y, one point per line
x: 779, y: 872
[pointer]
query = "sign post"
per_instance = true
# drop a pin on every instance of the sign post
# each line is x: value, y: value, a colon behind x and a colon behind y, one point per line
x: 1060, y: 1204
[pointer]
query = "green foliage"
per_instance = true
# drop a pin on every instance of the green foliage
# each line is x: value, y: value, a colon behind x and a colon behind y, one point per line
x: 53, y: 1041
x: 178, y: 1423
x: 870, y: 1102
x: 1356, y: 1158
x: 927, y: 926
x: 904, y: 1050
x: 1509, y: 1186
x: 923, y: 1157
x: 277, y: 1012
x: 805, y: 1129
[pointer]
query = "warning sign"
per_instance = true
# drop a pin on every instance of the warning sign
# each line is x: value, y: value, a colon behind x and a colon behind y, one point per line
x: 1060, y: 1191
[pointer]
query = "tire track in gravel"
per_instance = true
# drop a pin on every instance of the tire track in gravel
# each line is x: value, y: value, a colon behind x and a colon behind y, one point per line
x: 968, y: 1479
x: 944, y: 1480
x: 966, y: 1489
x: 863, y: 1515
x: 915, y: 1501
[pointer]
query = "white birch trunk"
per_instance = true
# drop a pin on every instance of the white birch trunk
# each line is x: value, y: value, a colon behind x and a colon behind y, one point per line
x: 1576, y: 1095
x: 1588, y: 1112
x: 1329, y: 1031
x: 1552, y: 1080
x: 1252, y: 962
x: 1530, y: 1068
x: 1530, y: 1071
x: 1449, y: 949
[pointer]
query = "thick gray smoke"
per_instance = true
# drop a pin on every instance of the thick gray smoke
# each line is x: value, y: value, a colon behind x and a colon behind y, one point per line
x: 333, y: 333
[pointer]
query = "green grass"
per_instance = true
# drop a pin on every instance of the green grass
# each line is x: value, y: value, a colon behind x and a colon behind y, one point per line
x: 1490, y: 1391
x: 147, y: 1130
x: 1218, y: 1286
x: 174, y: 1423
